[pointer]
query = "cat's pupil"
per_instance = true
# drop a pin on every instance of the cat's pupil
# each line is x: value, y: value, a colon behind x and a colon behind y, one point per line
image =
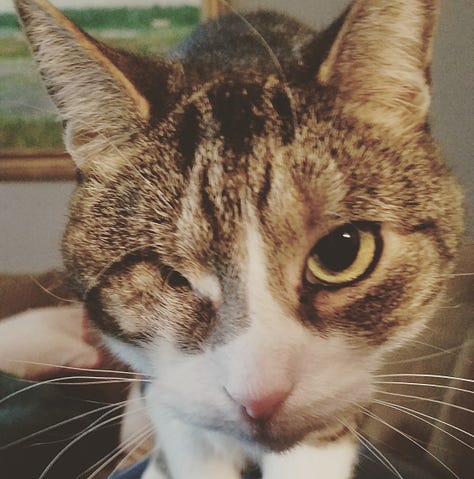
x: 339, y: 249
x: 177, y: 280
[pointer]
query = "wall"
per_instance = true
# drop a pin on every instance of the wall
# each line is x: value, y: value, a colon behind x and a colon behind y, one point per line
x: 32, y: 217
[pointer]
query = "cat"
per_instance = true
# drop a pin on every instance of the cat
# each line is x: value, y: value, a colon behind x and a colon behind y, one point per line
x: 260, y: 217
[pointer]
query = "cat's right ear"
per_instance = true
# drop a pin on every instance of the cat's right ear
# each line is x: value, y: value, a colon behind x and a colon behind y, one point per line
x: 100, y: 92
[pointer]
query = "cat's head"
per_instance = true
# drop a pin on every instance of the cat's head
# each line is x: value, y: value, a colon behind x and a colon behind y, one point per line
x: 257, y: 239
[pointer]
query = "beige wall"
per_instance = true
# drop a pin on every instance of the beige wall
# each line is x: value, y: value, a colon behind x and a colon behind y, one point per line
x: 317, y: 13
x: 32, y: 218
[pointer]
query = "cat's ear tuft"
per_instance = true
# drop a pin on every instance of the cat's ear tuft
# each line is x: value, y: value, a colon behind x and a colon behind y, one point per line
x: 95, y: 88
x: 380, y: 62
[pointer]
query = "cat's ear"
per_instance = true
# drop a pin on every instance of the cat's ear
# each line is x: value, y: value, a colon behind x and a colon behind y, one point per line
x: 380, y: 62
x: 99, y: 91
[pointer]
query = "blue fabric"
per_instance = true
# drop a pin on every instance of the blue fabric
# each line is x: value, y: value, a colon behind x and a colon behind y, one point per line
x: 133, y: 472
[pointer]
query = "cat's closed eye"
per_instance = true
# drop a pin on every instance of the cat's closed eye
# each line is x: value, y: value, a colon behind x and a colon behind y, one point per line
x: 344, y: 256
x: 177, y: 280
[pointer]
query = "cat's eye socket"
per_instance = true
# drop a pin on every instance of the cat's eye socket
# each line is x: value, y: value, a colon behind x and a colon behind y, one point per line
x: 176, y: 280
x: 345, y: 255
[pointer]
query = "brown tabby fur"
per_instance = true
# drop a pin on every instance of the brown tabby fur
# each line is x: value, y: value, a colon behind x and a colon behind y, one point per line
x: 247, y: 129
x: 166, y: 171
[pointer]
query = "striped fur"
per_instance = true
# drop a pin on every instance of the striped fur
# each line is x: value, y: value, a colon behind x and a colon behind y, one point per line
x: 207, y: 177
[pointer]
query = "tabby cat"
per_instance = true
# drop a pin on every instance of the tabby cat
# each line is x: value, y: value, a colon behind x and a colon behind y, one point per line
x: 260, y: 217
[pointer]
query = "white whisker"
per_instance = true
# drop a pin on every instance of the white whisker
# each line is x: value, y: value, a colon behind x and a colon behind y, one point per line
x: 417, y: 414
x: 403, y: 434
x: 72, y: 368
x: 421, y: 398
x: 429, y: 385
x: 272, y: 56
x: 12, y: 103
x: 139, y: 438
x: 431, y: 356
x: 58, y: 380
x: 415, y: 375
x: 95, y: 382
x: 422, y: 343
x: 374, y: 451
x: 88, y: 431
x: 53, y: 295
x: 59, y: 424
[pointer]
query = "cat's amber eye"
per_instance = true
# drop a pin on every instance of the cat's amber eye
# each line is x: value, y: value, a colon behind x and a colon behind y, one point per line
x: 345, y: 255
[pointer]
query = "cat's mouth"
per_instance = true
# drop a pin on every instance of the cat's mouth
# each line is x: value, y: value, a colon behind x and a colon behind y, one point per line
x: 266, y: 437
x: 279, y: 435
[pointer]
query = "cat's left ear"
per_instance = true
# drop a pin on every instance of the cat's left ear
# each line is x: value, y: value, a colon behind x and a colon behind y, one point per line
x: 380, y: 62
x: 104, y: 96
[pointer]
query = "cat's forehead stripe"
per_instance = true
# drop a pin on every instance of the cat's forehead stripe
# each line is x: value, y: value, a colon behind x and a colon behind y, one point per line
x: 262, y: 196
x: 237, y: 112
x: 208, y: 206
x: 188, y: 134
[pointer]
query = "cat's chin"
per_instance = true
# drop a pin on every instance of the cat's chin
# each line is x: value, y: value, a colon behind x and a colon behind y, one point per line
x: 275, y: 439
x: 268, y: 440
x: 281, y: 434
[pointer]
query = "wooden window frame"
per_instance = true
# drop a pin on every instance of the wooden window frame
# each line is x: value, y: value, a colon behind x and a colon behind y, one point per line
x: 36, y: 166
x: 212, y: 9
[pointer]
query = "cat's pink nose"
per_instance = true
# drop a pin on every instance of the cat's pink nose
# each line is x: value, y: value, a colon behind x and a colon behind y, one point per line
x: 265, y: 406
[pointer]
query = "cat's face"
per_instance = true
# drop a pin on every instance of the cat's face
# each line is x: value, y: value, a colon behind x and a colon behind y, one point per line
x: 255, y: 246
x: 217, y: 298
